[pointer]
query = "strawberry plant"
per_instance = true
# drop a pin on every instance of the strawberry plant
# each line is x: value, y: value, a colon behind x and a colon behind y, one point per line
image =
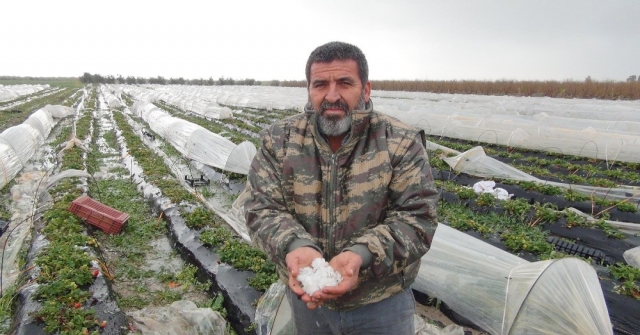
x: 630, y: 278
x: 466, y: 193
x: 546, y: 213
x: 517, y: 208
x: 199, y: 218
x: 486, y: 200
x: 629, y: 207
x: 527, y: 239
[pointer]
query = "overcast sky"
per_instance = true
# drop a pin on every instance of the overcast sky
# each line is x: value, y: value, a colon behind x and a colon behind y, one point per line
x: 271, y: 39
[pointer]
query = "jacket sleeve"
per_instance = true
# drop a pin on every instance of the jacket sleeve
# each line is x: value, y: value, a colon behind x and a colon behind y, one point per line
x: 272, y: 227
x: 405, y: 234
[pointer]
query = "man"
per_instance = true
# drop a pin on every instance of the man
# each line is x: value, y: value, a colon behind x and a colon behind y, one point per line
x: 347, y: 184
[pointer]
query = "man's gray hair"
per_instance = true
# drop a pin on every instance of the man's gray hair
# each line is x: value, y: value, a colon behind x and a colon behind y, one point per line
x: 331, y: 51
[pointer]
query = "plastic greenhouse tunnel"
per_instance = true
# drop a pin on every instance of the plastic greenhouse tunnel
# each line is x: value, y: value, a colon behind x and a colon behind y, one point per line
x: 17, y: 146
x: 11, y: 92
x: 19, y: 143
x: 195, y: 142
x: 504, y: 294
x: 607, y: 130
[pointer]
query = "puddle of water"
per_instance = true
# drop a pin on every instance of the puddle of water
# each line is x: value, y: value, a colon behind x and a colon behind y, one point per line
x: 163, y: 258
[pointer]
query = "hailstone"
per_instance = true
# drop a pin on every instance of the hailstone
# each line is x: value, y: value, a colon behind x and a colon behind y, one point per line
x: 318, y: 276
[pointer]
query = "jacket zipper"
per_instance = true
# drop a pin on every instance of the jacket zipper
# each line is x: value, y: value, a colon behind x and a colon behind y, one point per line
x: 332, y: 205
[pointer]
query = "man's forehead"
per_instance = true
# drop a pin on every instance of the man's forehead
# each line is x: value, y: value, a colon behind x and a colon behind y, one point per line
x: 347, y: 67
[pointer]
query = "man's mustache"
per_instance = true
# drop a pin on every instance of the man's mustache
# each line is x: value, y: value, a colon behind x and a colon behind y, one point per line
x: 334, y: 105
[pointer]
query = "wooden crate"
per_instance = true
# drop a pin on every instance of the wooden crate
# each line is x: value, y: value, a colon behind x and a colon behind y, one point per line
x: 108, y: 219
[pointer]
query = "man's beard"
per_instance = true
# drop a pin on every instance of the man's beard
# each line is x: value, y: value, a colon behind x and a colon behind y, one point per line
x: 334, y: 125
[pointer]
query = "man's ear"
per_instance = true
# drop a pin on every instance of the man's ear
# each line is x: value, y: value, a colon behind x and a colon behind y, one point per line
x: 367, y: 91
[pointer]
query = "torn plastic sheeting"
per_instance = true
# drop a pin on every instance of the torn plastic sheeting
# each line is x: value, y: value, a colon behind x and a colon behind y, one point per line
x: 74, y: 142
x: 273, y: 315
x: 484, y: 186
x: 59, y: 111
x: 423, y: 328
x: 625, y: 227
x: 66, y: 174
x: 632, y: 257
x: 475, y: 162
x: 180, y: 318
x: 487, y: 186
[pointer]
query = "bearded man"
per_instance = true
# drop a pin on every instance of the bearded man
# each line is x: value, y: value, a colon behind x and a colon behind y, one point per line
x: 350, y: 185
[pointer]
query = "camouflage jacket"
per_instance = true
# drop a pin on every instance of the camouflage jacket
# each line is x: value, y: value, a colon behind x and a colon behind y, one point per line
x: 374, y: 196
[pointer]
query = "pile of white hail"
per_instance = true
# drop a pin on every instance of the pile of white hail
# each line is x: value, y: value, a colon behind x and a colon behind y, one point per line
x: 319, y: 275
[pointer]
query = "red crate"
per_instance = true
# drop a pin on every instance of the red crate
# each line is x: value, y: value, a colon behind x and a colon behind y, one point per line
x: 108, y: 219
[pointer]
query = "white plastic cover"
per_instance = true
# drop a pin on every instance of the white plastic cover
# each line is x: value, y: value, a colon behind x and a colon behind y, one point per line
x: 59, y: 111
x: 110, y: 98
x: 196, y: 142
x: 42, y: 121
x: 11, y: 164
x: 561, y: 296
x: 273, y: 313
x: 19, y: 143
x: 632, y: 257
x: 476, y: 163
x: 504, y: 294
x: 24, y: 139
x: 54, y: 179
x: 6, y: 94
x: 192, y: 98
x: 182, y: 317
x: 489, y: 186
x: 589, y: 128
x: 11, y: 92
x: 630, y: 228
x: 241, y: 157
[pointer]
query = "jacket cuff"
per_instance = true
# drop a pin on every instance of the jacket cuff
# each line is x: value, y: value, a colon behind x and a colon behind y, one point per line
x: 302, y: 242
x: 363, y: 251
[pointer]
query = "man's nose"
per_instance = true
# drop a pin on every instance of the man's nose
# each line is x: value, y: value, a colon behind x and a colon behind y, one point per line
x: 332, y: 94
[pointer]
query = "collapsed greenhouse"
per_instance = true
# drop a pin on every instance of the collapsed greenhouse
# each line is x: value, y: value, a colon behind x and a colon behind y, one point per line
x: 493, y: 289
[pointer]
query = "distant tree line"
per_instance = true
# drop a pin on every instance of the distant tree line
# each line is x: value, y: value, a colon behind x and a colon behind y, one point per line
x: 88, y: 78
x: 587, y: 89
